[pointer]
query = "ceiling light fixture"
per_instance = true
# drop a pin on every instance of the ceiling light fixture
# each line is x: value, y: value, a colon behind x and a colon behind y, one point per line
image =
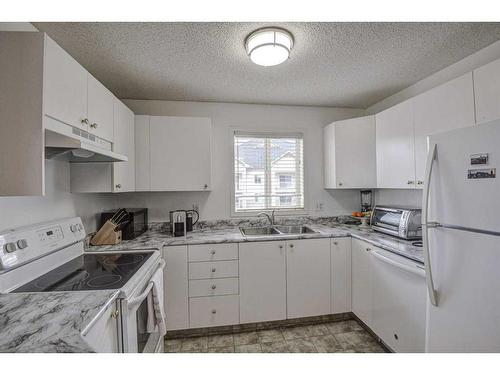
x: 269, y: 46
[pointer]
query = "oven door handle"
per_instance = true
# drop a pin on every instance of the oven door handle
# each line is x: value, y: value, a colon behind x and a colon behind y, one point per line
x: 134, y: 301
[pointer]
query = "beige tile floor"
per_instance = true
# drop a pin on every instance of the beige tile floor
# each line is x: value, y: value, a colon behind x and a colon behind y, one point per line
x: 337, y: 337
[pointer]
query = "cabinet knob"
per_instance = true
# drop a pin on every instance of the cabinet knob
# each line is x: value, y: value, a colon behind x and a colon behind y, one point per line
x: 213, y: 269
x: 115, y: 314
x: 340, y: 184
x: 281, y: 246
x: 420, y: 182
x: 214, y: 286
x: 93, y: 125
x: 368, y: 249
x: 214, y: 311
x: 396, y: 336
x: 291, y: 245
x: 205, y: 186
x: 118, y: 186
x: 85, y: 121
x: 212, y: 252
x: 410, y: 182
x: 335, y: 243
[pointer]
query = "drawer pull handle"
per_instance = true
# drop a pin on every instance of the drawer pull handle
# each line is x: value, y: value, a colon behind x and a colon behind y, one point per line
x: 212, y: 252
x: 214, y: 286
x: 214, y: 311
x: 396, y: 336
x: 213, y: 269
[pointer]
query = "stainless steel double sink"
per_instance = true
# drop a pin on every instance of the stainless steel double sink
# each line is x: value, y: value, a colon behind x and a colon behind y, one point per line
x: 277, y: 230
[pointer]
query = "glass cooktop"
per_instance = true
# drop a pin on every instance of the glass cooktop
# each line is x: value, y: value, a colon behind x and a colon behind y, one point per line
x: 89, y: 272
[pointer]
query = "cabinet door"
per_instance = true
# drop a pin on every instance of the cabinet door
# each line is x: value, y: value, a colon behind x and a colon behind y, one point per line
x: 341, y: 275
x: 395, y: 147
x: 308, y: 277
x: 329, y: 171
x: 446, y: 107
x: 262, y: 281
x: 100, y: 109
x: 487, y: 92
x: 362, y: 281
x: 399, y: 302
x: 124, y: 172
x: 65, y: 86
x: 142, y: 156
x: 355, y: 155
x: 176, y: 287
x: 180, y: 153
x: 103, y: 335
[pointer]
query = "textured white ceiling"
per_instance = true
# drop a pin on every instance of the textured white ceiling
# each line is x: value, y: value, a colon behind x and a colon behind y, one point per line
x: 331, y: 64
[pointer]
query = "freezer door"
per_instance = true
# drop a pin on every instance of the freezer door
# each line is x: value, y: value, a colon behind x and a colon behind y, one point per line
x: 467, y: 280
x: 456, y: 199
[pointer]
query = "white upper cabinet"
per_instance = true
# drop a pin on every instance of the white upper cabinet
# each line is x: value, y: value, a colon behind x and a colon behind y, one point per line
x: 180, y: 153
x: 308, y: 277
x: 395, y: 147
x: 142, y: 154
x: 110, y: 177
x: 65, y: 87
x: 100, y: 109
x: 487, y: 92
x: 350, y: 157
x: 446, y: 107
x: 124, y: 134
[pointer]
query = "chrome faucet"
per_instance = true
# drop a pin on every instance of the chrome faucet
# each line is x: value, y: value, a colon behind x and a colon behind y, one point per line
x: 269, y: 217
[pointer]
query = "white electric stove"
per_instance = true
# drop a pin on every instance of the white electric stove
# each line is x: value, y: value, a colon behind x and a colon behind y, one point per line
x: 50, y: 257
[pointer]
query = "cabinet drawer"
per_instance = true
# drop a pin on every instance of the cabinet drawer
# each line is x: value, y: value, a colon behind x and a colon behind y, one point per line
x: 214, y: 311
x: 205, y: 253
x: 213, y: 287
x: 213, y: 270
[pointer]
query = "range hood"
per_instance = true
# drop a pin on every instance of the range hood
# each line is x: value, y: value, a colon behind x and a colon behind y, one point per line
x: 77, y: 146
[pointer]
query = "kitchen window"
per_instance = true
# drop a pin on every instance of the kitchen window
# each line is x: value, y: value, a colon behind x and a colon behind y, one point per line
x: 268, y: 172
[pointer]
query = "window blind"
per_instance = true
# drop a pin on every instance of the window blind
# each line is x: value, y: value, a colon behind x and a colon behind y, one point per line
x: 268, y: 172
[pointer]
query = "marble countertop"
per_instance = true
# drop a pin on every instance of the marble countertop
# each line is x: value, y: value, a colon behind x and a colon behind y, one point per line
x: 158, y: 237
x: 50, y: 322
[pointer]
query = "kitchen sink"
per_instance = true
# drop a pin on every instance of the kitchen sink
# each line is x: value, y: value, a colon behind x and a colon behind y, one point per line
x: 259, y: 231
x: 282, y: 229
x: 294, y: 229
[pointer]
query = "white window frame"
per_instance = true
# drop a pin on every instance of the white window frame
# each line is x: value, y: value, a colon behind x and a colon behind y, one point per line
x: 277, y: 134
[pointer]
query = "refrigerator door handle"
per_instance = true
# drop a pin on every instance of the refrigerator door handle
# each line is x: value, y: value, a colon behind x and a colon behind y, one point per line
x: 426, y: 225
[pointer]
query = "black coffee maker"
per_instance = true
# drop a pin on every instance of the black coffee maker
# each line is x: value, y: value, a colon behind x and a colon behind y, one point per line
x: 190, y: 222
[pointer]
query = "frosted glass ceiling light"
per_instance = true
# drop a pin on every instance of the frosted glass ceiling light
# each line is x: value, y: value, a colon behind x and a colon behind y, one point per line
x: 269, y: 46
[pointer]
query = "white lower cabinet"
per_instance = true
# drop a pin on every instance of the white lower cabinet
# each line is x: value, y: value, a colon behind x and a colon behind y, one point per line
x: 213, y: 311
x: 341, y: 274
x: 176, y: 287
x: 308, y: 277
x: 399, y: 302
x: 262, y: 281
x: 103, y: 335
x: 362, y: 281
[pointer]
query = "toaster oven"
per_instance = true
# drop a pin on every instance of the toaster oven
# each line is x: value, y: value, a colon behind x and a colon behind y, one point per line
x: 402, y: 222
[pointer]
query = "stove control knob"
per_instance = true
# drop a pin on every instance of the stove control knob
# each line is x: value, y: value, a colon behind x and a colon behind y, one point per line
x: 10, y: 247
x: 22, y: 244
x: 73, y: 228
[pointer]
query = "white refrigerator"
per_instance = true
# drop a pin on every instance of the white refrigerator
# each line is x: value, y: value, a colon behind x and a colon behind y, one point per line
x: 461, y: 240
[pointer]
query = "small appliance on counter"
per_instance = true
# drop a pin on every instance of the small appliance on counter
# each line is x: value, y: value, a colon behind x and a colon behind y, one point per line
x: 135, y: 225
x: 402, y: 222
x: 188, y: 220
x: 366, y: 200
x: 178, y: 223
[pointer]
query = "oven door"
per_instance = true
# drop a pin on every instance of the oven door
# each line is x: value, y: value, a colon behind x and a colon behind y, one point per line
x: 136, y: 311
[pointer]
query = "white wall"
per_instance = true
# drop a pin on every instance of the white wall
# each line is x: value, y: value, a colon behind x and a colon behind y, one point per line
x: 57, y: 203
x: 247, y: 117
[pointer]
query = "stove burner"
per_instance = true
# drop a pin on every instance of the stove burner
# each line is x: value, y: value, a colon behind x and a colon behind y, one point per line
x: 61, y: 279
x: 417, y: 243
x: 122, y: 261
x: 103, y: 281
